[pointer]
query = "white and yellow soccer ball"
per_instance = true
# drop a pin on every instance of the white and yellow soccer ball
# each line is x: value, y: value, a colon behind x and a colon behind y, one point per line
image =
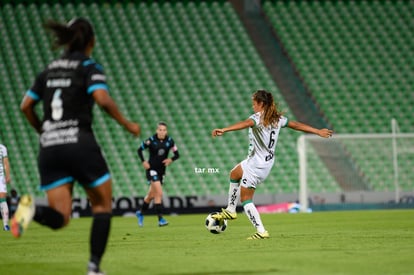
x: 215, y: 226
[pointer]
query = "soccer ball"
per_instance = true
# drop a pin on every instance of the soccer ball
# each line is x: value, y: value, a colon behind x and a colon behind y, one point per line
x: 215, y: 226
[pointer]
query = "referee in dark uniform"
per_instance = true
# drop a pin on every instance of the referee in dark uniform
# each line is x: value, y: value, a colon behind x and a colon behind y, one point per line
x: 69, y: 152
x: 159, y: 146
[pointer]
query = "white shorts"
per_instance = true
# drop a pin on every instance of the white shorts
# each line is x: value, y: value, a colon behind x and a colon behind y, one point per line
x: 3, y: 186
x: 253, y: 174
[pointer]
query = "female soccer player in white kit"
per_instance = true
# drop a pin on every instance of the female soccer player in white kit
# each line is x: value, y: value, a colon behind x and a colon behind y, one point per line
x: 264, y: 127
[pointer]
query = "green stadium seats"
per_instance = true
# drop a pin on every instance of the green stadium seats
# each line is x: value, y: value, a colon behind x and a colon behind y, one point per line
x: 356, y: 58
x: 192, y: 65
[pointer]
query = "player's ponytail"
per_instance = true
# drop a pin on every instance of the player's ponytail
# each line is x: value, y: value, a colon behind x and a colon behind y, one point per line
x: 270, y: 113
x: 75, y: 36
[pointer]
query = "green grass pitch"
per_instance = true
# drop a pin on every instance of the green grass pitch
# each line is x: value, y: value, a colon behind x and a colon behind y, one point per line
x: 354, y: 242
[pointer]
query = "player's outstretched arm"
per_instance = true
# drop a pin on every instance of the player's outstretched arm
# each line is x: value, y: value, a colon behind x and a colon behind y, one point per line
x: 102, y: 98
x: 7, y: 169
x: 299, y: 126
x: 237, y: 126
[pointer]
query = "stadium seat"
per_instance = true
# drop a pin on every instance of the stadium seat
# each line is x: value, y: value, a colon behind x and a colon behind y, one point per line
x: 193, y: 65
x: 350, y: 54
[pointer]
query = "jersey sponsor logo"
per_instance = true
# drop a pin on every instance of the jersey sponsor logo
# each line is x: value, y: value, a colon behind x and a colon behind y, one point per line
x: 269, y: 156
x: 59, y: 82
x: 161, y: 151
x: 59, y: 132
x: 64, y: 64
x: 52, y: 125
x: 59, y: 137
x: 100, y: 77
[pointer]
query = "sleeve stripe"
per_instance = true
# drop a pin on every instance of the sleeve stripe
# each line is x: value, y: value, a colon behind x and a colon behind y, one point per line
x: 88, y: 62
x: 33, y: 95
x: 100, y: 86
x: 287, y: 121
x: 254, y: 121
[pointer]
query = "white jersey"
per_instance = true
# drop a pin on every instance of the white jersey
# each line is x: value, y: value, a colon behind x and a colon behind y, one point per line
x: 3, y: 155
x: 263, y: 140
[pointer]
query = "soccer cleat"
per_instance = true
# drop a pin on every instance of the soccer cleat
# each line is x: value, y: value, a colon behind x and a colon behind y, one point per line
x: 162, y: 222
x: 224, y: 215
x: 140, y: 217
x: 95, y: 273
x: 23, y: 216
x: 259, y: 236
x: 94, y: 270
x: 6, y: 228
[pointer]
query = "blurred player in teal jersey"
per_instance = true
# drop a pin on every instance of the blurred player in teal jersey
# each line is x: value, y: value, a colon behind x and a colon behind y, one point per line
x: 159, y: 146
x: 68, y: 88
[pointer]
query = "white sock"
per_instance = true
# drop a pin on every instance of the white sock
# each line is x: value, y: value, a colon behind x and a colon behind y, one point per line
x: 253, y: 215
x: 4, y: 212
x: 234, y: 195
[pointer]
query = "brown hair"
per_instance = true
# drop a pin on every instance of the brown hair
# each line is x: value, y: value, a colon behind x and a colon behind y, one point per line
x: 75, y: 35
x: 270, y: 113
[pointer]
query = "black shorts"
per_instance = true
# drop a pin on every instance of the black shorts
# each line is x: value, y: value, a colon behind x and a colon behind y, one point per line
x: 155, y: 175
x: 81, y: 161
